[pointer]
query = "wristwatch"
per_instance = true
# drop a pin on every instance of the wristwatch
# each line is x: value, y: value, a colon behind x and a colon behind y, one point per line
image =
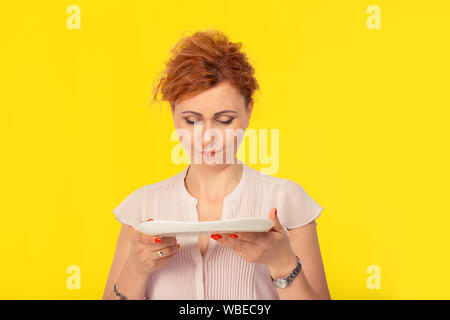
x: 284, y: 282
x: 121, y: 296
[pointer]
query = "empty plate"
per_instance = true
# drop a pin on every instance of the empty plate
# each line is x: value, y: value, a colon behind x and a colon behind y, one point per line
x: 166, y: 228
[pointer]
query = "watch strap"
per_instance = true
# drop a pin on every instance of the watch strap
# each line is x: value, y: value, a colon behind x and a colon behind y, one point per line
x: 122, y: 297
x: 290, y: 277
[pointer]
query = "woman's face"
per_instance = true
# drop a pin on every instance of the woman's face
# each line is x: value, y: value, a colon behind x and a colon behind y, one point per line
x: 211, y: 125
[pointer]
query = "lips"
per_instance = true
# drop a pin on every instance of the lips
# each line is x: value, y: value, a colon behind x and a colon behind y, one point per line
x: 210, y: 152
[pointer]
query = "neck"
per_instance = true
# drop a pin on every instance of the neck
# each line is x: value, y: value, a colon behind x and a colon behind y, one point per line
x: 212, y: 183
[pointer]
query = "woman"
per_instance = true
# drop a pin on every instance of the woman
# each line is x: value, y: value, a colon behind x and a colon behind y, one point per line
x: 209, y: 84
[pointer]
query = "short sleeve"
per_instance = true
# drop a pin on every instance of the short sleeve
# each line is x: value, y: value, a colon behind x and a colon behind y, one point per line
x: 295, y: 207
x: 130, y: 210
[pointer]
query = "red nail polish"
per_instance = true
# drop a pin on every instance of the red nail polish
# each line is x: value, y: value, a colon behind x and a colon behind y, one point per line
x: 275, y: 211
x: 150, y: 220
x: 216, y: 236
x: 179, y: 245
x: 157, y: 239
x: 233, y: 235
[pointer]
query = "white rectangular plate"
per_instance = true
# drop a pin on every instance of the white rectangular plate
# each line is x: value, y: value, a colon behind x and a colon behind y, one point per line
x: 166, y: 228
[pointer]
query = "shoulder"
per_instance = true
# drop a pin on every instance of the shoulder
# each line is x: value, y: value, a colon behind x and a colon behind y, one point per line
x: 268, y: 181
x: 143, y: 201
x: 154, y: 188
x: 287, y: 194
x: 163, y: 184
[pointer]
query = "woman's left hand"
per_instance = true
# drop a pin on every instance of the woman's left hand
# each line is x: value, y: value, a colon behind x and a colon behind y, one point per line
x: 271, y: 248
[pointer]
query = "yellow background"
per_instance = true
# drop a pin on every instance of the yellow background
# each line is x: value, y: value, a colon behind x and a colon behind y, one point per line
x: 363, y: 119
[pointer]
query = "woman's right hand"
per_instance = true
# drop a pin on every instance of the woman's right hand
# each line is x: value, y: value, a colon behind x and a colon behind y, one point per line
x: 144, y: 252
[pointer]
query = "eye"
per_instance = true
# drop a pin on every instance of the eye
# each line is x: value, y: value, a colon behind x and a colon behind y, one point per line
x: 226, y: 122
x: 191, y: 122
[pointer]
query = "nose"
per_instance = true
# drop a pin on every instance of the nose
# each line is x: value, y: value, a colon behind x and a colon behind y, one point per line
x: 208, y: 140
x: 208, y: 135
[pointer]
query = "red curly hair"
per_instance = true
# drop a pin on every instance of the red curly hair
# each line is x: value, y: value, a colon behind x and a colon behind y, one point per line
x: 201, y: 61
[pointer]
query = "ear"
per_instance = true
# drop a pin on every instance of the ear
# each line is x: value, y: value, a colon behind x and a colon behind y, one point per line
x: 250, y: 108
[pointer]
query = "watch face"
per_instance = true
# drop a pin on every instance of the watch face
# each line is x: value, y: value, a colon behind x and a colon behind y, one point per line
x: 281, y: 283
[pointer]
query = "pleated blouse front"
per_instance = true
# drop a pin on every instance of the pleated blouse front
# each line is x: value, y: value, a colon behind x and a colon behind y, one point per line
x: 220, y: 273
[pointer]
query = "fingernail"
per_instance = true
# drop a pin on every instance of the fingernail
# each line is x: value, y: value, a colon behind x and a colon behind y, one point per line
x: 275, y: 211
x: 157, y: 239
x: 216, y: 236
x: 149, y: 219
x: 233, y: 235
x: 179, y: 245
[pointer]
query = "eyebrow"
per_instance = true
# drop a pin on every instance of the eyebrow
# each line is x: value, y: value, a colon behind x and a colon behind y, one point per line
x: 217, y: 113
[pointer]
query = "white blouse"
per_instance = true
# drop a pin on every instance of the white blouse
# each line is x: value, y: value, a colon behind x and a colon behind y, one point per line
x: 220, y: 273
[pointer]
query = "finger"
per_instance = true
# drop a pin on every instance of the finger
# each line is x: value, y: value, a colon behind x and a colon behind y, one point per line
x: 167, y: 251
x: 232, y: 243
x: 245, y: 236
x: 147, y: 239
x: 277, y: 224
x: 155, y: 239
x: 241, y: 248
x: 166, y: 241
